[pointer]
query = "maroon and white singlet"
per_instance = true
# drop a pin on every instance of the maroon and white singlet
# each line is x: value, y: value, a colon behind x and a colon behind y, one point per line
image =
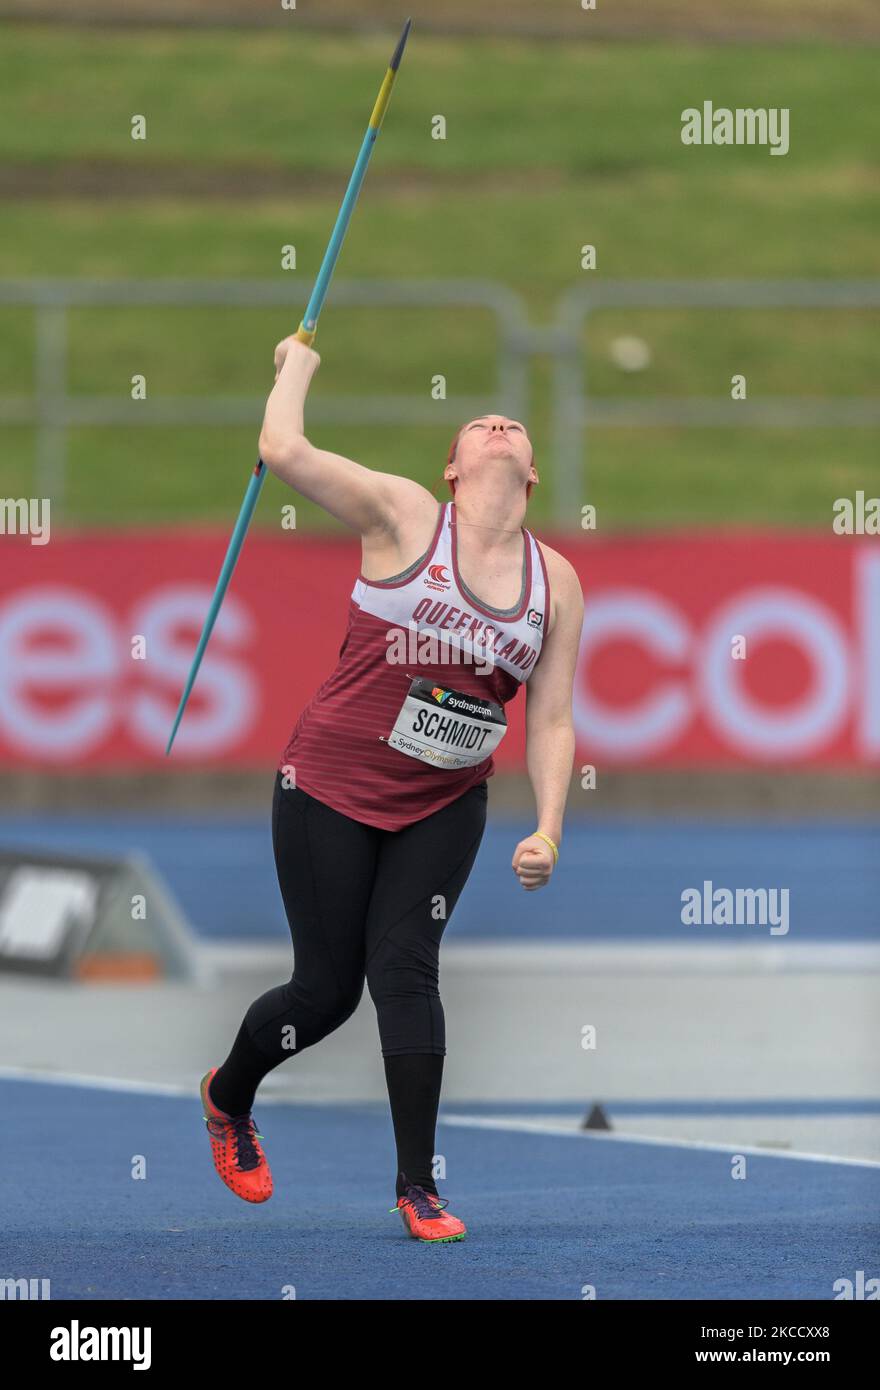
x: 408, y: 720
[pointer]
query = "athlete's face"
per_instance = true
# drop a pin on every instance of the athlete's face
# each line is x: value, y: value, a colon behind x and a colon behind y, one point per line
x: 493, y: 442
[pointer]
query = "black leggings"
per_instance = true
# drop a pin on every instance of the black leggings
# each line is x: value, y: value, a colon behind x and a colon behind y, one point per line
x: 363, y: 905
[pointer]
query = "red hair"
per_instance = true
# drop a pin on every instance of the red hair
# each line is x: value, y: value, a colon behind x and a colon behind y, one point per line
x: 450, y: 458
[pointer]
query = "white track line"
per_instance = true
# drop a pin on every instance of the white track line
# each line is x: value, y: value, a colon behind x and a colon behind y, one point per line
x: 563, y: 1132
x: 136, y: 1088
x: 163, y: 1088
x: 97, y: 1083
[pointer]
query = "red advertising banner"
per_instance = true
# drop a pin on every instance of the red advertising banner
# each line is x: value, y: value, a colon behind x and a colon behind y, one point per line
x: 712, y: 649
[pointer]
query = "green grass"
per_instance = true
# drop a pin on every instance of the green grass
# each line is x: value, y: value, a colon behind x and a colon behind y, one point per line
x: 548, y: 147
x: 298, y: 101
x: 636, y: 478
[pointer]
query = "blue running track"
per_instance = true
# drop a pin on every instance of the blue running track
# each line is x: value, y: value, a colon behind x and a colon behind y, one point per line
x: 548, y: 1214
x: 222, y: 873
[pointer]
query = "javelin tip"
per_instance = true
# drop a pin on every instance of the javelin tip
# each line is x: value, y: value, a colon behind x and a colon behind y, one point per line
x: 401, y: 45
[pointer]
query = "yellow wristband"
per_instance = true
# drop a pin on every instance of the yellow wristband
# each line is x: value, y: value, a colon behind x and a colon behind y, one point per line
x: 546, y: 838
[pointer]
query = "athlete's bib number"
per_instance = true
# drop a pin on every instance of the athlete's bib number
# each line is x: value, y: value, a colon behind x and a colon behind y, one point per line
x: 445, y: 728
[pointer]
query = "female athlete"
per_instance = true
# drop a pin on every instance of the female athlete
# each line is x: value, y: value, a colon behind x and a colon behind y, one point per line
x: 380, y: 797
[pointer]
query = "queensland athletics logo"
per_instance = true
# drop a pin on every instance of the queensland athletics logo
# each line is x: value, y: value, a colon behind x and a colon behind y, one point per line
x: 437, y: 578
x: 439, y: 694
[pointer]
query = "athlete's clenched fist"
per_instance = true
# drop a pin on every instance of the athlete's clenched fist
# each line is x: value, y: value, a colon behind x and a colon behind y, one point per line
x: 533, y: 862
x: 303, y: 358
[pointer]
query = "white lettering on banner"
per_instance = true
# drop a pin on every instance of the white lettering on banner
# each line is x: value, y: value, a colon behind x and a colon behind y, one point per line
x: 867, y: 607
x: 88, y: 663
x: 793, y: 730
x: 637, y: 730
x: 842, y: 672
x: 228, y: 688
x: 84, y: 668
x: 68, y: 686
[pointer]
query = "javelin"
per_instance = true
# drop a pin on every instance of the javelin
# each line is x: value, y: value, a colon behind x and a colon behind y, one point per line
x: 306, y: 334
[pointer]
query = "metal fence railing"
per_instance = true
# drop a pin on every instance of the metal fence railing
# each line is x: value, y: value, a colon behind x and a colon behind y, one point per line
x: 575, y: 411
x: 54, y: 410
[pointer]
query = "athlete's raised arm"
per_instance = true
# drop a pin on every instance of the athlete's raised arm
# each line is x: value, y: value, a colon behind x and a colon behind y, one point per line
x: 372, y: 504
